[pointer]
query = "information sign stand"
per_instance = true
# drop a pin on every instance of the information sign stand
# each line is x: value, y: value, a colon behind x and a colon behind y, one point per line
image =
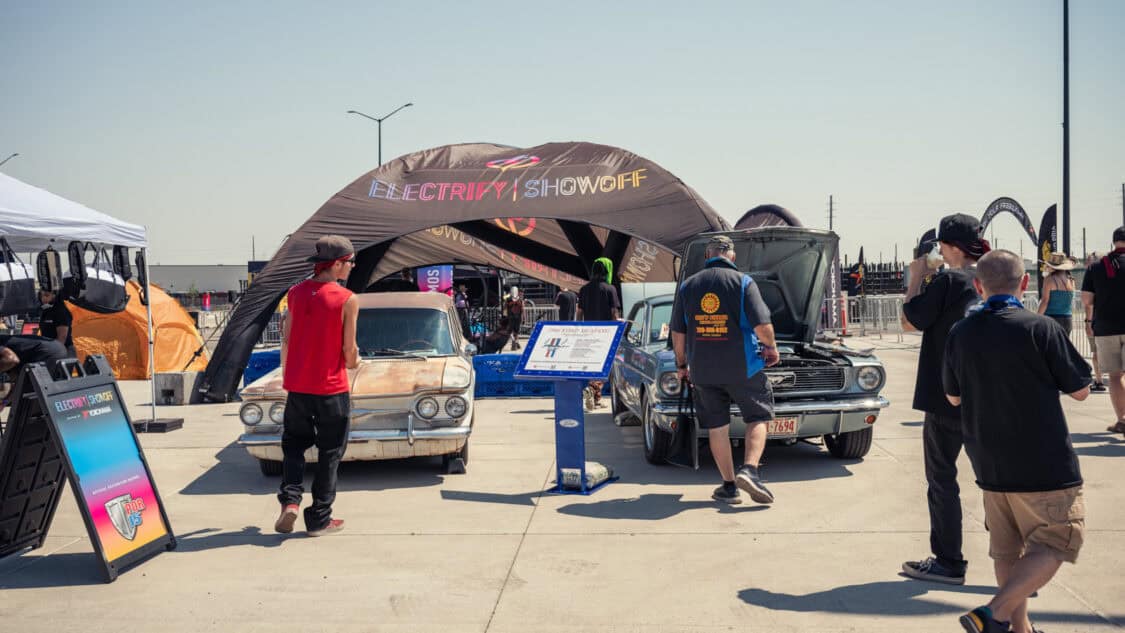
x: 70, y: 420
x: 571, y: 354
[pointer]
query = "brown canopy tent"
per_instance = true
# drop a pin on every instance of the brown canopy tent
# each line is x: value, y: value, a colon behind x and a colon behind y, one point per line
x: 547, y: 211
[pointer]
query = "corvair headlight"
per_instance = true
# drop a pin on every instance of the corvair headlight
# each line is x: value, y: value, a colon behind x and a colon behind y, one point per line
x: 277, y: 413
x: 250, y: 414
x: 456, y: 406
x: 670, y: 383
x: 869, y: 378
x: 427, y: 407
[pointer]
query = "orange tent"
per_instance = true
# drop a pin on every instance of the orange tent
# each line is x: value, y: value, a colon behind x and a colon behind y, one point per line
x: 122, y: 337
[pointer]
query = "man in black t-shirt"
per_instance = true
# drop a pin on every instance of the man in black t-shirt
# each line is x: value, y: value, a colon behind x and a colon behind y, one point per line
x: 55, y: 320
x: 933, y: 309
x: 1005, y: 367
x: 598, y: 301
x: 1103, y: 294
x: 567, y: 302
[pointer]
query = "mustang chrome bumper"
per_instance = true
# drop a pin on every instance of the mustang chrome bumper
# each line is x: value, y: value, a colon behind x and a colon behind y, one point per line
x: 842, y: 405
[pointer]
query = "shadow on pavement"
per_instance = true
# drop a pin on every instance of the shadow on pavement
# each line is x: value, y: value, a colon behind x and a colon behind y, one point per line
x: 212, y: 538
x: 901, y: 597
x: 650, y: 507
x: 1105, y: 444
x: 75, y: 569
x: 237, y: 473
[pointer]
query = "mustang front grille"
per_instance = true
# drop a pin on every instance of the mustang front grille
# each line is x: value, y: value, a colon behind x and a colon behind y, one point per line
x: 806, y: 378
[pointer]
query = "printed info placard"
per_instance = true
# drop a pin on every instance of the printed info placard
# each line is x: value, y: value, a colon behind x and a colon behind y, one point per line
x: 571, y: 350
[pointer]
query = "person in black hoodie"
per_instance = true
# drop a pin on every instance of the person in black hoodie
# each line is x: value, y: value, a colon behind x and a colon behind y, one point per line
x: 932, y: 305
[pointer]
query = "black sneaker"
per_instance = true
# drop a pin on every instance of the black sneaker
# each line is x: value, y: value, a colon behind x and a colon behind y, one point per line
x: 980, y: 620
x: 1098, y: 387
x: 932, y: 570
x: 747, y: 479
x: 721, y: 494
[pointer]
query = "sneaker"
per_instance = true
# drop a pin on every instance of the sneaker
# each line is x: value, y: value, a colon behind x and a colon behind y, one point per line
x: 721, y: 494
x: 932, y: 570
x: 1098, y: 387
x: 980, y: 620
x: 747, y: 479
x: 334, y: 525
x: 288, y: 517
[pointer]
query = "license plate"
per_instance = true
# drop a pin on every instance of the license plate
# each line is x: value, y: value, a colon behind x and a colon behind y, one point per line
x: 781, y: 427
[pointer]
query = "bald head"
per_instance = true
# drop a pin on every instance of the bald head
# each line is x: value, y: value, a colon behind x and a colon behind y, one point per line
x: 1001, y: 273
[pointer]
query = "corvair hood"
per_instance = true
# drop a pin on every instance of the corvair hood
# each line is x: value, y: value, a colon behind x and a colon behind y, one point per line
x: 789, y: 265
x: 383, y: 377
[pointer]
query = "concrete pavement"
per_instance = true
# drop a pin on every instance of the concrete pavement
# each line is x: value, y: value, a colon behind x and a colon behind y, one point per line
x: 490, y: 551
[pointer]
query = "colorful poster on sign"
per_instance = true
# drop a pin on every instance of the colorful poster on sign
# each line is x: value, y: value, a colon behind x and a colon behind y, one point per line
x: 115, y: 485
x: 435, y: 279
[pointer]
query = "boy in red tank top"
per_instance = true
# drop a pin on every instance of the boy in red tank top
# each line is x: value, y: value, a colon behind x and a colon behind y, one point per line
x: 319, y: 337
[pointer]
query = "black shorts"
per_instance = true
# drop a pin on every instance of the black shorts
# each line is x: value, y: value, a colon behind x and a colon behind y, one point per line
x: 754, y: 397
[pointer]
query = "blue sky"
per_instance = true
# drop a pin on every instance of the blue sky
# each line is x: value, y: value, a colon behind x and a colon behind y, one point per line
x: 212, y: 122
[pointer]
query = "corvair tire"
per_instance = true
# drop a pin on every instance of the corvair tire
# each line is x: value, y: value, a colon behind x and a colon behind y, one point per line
x: 657, y: 442
x: 850, y: 445
x: 270, y: 467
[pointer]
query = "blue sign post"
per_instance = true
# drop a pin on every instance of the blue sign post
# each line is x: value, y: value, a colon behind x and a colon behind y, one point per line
x: 571, y: 354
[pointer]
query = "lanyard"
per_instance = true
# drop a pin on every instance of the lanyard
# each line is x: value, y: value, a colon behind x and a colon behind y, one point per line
x: 996, y: 303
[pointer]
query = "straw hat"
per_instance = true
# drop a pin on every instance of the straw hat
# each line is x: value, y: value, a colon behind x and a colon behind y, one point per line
x: 1059, y: 261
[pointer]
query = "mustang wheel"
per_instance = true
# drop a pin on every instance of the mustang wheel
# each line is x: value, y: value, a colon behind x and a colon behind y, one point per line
x: 850, y: 445
x: 658, y: 442
x: 270, y: 467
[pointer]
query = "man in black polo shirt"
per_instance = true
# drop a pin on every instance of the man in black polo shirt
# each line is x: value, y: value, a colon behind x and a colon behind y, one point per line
x: 719, y: 322
x: 1005, y: 367
x: 55, y: 321
x: 1103, y: 294
x: 932, y: 308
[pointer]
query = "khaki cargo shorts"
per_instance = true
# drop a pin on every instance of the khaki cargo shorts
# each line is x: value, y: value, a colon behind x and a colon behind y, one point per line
x: 1022, y: 522
x: 1111, y: 352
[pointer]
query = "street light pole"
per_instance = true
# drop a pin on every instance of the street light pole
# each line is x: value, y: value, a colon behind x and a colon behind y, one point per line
x: 379, y: 122
x: 9, y: 158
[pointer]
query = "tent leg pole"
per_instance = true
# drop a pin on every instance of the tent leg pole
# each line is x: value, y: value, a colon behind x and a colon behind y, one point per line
x: 151, y: 343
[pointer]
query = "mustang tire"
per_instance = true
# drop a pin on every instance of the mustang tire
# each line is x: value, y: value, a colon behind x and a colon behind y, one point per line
x: 850, y: 445
x: 270, y: 468
x: 657, y: 442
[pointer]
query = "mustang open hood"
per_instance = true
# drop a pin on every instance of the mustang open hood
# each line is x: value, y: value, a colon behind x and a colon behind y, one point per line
x: 789, y: 264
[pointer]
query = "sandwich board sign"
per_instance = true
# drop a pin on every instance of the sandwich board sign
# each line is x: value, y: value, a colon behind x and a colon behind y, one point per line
x: 571, y: 354
x: 72, y: 421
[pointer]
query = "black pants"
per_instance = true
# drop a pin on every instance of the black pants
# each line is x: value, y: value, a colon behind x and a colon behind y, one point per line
x: 311, y: 420
x: 942, y: 442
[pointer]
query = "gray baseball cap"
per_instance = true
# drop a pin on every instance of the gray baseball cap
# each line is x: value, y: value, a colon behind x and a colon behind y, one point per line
x: 332, y: 247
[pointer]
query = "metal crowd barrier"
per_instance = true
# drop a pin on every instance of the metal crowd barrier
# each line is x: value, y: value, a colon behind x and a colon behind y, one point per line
x: 879, y: 315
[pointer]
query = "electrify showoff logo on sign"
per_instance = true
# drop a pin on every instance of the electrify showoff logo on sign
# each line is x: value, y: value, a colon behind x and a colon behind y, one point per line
x: 86, y: 402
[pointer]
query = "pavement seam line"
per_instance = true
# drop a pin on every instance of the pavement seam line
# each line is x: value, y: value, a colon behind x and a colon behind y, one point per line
x: 1092, y: 608
x: 38, y: 559
x: 519, y: 548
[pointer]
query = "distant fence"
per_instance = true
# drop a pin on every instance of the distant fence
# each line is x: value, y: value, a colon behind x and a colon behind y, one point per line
x: 880, y: 316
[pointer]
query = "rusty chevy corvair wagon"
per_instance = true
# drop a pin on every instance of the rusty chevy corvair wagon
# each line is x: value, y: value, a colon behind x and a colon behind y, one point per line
x: 412, y: 395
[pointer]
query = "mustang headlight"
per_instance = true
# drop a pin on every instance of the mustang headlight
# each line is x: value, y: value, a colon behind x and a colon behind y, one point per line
x: 427, y: 408
x: 456, y: 406
x: 277, y: 413
x: 250, y: 414
x: 869, y: 378
x: 670, y: 383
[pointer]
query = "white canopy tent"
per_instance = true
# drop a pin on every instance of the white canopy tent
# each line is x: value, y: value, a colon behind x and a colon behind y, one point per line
x: 32, y: 219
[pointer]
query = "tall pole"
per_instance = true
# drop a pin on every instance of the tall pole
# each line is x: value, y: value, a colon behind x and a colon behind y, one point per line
x: 830, y: 209
x: 1123, y: 204
x: 1085, y: 253
x: 1066, y: 127
x: 379, y: 122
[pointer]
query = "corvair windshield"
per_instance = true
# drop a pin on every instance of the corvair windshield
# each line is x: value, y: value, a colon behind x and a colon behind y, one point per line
x: 391, y: 332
